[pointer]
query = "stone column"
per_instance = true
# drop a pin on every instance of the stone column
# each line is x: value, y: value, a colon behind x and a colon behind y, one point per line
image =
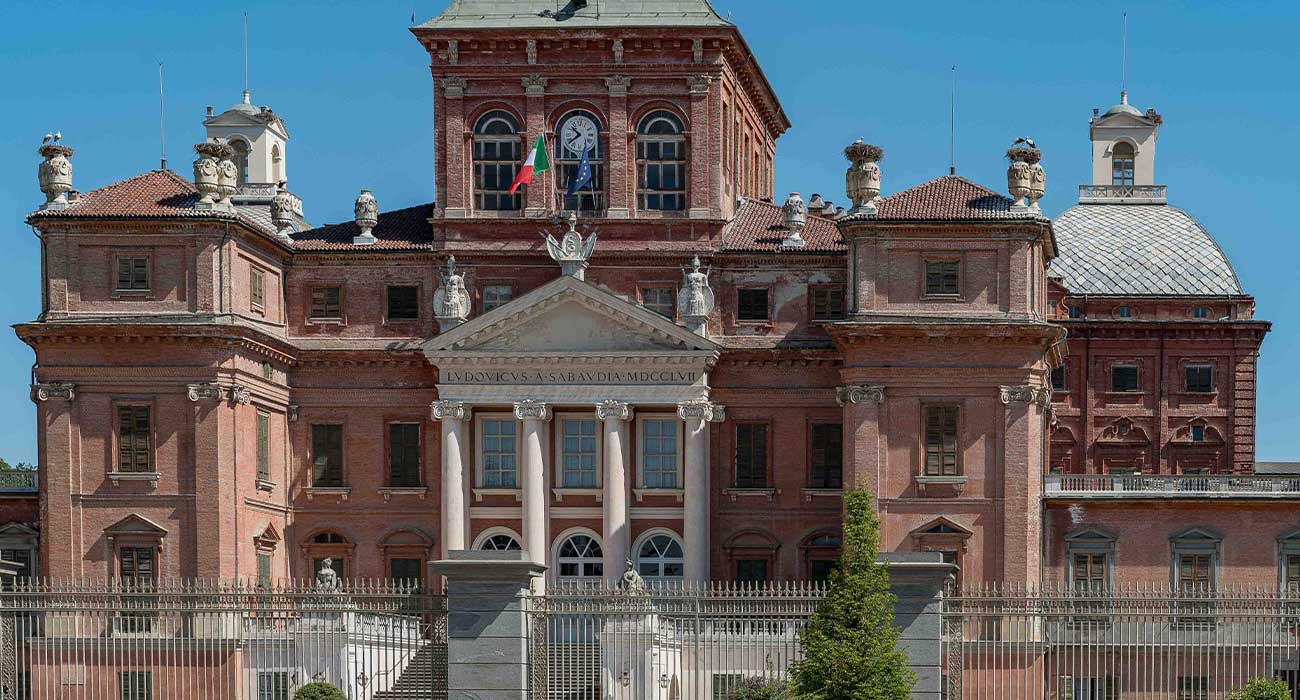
x: 1022, y: 474
x: 619, y: 164
x: 452, y: 414
x: 697, y: 415
x: 458, y: 172
x: 534, y: 415
x: 487, y: 623
x: 537, y: 196
x: 864, y: 444
x: 617, y: 532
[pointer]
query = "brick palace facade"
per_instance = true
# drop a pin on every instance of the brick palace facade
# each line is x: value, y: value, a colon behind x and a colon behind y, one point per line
x: 685, y: 376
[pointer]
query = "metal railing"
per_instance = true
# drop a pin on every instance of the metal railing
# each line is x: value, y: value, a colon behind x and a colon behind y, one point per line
x: 19, y: 481
x: 666, y: 642
x: 1125, y: 194
x: 1171, y: 485
x: 196, y: 640
x: 1015, y: 643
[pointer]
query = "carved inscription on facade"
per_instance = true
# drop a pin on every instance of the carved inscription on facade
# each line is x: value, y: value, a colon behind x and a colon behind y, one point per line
x: 562, y: 376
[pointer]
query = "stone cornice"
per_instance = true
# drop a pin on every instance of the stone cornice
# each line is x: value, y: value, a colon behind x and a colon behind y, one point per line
x: 257, y: 342
x: 922, y: 331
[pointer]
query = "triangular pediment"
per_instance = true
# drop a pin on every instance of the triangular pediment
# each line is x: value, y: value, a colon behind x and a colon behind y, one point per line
x: 573, y: 317
x: 1121, y: 120
x: 135, y: 525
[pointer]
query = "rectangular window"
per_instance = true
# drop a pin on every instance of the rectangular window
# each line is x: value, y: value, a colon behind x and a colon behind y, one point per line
x: 941, y: 278
x: 1199, y: 379
x: 137, y: 564
x: 660, y: 300
x: 272, y: 685
x: 659, y: 453
x: 326, y: 302
x: 725, y: 683
x: 751, y: 571
x: 819, y: 570
x: 1089, y: 571
x: 133, y: 274
x: 1076, y: 311
x: 1291, y: 574
x: 135, y: 685
x: 327, y: 455
x: 751, y: 455
x: 578, y: 459
x: 1080, y: 688
x: 406, y: 571
x: 1058, y: 378
x: 826, y: 461
x: 1124, y: 378
x: 255, y: 291
x: 1195, y: 572
x: 1198, y: 433
x: 263, y: 446
x: 403, y: 303
x: 827, y: 303
x: 499, y: 452
x: 751, y: 304
x: 263, y: 569
x: 941, y: 441
x: 495, y: 295
x: 404, y: 454
x: 134, y: 439
x: 1193, y: 688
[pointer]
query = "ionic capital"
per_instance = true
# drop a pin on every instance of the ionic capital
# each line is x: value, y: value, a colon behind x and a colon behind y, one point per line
x: 860, y: 393
x: 209, y: 391
x: 701, y: 409
x: 1020, y: 393
x: 446, y: 409
x: 241, y: 395
x: 453, y: 86
x: 53, y: 390
x: 534, y: 84
x: 528, y: 409
x: 614, y: 410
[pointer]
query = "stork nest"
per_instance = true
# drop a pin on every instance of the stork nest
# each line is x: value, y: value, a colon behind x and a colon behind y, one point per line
x: 50, y: 150
x: 214, y: 149
x: 1024, y: 154
x: 863, y: 151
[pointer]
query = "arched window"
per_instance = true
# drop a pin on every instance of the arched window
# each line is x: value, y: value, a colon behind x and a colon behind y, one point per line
x: 660, y: 557
x: 576, y: 131
x: 241, y: 160
x: 277, y: 164
x: 499, y: 543
x: 496, y: 160
x: 579, y: 556
x: 1121, y: 163
x: 661, y: 162
x: 821, y: 555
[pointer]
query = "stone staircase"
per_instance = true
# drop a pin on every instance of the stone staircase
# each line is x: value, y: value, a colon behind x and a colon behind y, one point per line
x: 424, y: 678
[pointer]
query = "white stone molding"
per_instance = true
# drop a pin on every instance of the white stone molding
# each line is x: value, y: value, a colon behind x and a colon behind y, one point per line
x: 859, y: 393
x: 456, y: 410
x: 453, y: 86
x: 44, y: 391
x: 534, y: 84
x: 618, y: 50
x: 699, y: 83
x: 241, y: 395
x: 292, y: 412
x: 1018, y: 393
x: 531, y: 49
x: 572, y: 251
x: 701, y: 409
x: 453, y: 52
x: 209, y: 391
x: 614, y: 410
x: 389, y: 491
x: 697, y: 50
x: 529, y: 409
x: 618, y: 84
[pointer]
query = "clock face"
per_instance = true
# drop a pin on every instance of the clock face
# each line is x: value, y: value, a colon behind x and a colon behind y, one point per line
x: 578, y: 131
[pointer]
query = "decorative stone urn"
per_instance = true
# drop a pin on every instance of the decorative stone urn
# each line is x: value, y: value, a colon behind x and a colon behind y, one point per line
x: 207, y: 171
x: 227, y: 177
x: 55, y: 175
x: 282, y: 212
x: 1037, y: 185
x: 1023, y: 158
x: 795, y: 215
x: 366, y: 211
x: 862, y: 179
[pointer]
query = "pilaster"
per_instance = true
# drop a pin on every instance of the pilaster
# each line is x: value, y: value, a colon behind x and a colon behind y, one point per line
x: 865, y: 444
x: 621, y: 163
x: 701, y: 167
x: 458, y: 174
x: 536, y: 195
x: 1024, y: 416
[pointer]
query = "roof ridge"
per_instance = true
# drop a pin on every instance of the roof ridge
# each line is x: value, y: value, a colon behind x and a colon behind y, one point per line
x: 941, y: 178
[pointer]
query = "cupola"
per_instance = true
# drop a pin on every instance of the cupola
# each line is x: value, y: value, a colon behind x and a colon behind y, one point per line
x: 1123, y: 154
x: 258, y: 137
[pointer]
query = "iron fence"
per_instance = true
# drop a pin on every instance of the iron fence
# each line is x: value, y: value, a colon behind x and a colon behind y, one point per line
x: 667, y: 641
x: 195, y: 640
x: 1126, y: 643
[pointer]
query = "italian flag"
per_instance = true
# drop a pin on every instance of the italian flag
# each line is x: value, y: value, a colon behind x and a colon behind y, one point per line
x: 536, y: 163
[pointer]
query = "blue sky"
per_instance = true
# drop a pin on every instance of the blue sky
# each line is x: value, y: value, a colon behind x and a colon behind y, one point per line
x: 354, y: 88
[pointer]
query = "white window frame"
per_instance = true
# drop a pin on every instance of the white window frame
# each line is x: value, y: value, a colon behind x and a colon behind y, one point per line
x: 559, y: 542
x: 650, y: 534
x: 557, y: 463
x: 641, y: 488
x: 479, y: 489
x: 495, y: 531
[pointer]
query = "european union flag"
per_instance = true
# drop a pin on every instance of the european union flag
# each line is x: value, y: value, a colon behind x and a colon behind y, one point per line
x: 582, y: 177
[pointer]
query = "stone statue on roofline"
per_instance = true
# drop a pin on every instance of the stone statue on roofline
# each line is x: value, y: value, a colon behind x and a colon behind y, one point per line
x: 451, y: 299
x: 571, y: 251
x: 695, y: 298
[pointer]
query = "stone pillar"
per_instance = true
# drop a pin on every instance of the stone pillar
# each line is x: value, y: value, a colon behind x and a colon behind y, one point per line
x: 918, y: 580
x: 617, y: 532
x: 487, y: 623
x: 534, y: 415
x: 619, y: 164
x: 1022, y: 462
x: 454, y: 155
x: 700, y: 204
x: 452, y: 415
x: 537, y: 196
x: 697, y: 415
x: 864, y: 444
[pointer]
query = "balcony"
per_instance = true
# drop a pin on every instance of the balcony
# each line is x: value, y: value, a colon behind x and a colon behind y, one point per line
x: 1122, y: 194
x: 19, y: 481
x: 1162, y: 486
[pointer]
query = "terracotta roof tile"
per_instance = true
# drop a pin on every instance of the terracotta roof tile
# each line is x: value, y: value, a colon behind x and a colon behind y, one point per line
x: 400, y: 229
x: 758, y: 226
x: 157, y: 194
x: 948, y: 198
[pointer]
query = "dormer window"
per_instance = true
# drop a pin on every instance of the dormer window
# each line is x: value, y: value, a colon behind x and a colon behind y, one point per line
x: 1121, y: 163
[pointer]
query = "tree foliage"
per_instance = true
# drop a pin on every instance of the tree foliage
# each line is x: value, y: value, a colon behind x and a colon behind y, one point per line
x: 851, y: 644
x: 5, y: 466
x: 319, y: 690
x: 1263, y: 689
x: 757, y: 688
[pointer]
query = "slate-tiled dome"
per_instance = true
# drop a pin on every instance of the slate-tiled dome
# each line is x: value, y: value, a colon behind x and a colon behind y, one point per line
x: 1139, y: 249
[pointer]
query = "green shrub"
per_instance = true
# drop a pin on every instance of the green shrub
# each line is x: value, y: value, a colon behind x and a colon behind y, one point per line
x: 756, y: 688
x: 319, y: 690
x: 1263, y: 689
x: 851, y: 645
